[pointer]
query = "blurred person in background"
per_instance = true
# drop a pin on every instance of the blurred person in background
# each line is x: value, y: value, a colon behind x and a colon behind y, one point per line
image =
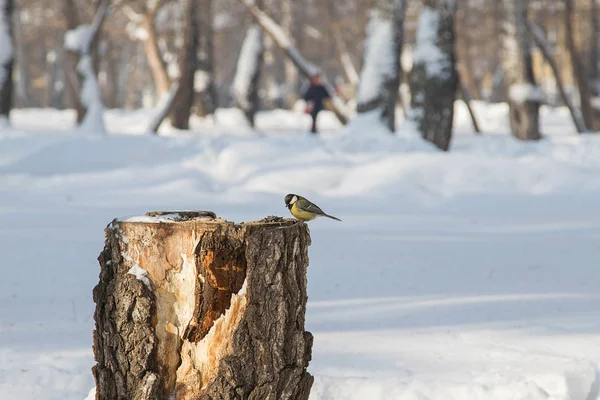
x: 315, y: 96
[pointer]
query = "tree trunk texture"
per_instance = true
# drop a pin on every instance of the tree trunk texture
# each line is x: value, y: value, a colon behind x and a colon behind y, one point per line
x: 205, y: 92
x: 540, y: 41
x: 518, y: 72
x: 386, y: 95
x: 194, y: 307
x: 434, y: 80
x: 578, y: 68
x: 188, y: 61
x: 6, y: 85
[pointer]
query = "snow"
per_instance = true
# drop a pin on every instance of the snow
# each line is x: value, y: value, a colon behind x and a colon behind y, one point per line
x: 93, y: 122
x: 201, y: 80
x: 140, y: 273
x: 521, y: 93
x: 426, y: 50
x: 6, y: 47
x: 378, y: 59
x: 79, y: 39
x: 463, y: 275
x: 247, y: 66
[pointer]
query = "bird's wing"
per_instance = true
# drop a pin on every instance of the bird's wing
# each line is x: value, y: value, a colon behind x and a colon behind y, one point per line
x: 306, y: 205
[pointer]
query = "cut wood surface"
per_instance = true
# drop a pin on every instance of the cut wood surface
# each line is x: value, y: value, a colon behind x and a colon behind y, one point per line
x: 197, y: 307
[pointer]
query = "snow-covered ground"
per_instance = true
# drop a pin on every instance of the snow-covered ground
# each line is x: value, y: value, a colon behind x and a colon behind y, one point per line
x: 465, y: 275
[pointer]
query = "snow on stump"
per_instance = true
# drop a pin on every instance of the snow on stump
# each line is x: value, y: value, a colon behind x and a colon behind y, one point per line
x: 190, y: 306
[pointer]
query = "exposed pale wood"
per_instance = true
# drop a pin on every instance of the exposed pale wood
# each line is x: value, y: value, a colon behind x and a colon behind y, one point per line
x: 221, y: 315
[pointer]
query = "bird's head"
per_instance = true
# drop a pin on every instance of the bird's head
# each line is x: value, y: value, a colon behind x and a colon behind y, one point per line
x: 290, y: 199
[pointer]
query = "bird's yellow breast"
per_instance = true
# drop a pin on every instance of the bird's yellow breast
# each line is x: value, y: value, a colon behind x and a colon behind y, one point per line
x: 301, y: 214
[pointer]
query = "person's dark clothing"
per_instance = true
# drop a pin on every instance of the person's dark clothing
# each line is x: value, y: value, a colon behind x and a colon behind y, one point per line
x: 316, y: 94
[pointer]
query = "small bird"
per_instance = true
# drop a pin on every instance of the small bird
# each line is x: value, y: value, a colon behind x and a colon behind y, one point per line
x: 303, y: 209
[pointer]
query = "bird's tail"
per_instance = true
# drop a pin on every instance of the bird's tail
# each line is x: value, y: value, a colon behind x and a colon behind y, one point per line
x: 332, y: 217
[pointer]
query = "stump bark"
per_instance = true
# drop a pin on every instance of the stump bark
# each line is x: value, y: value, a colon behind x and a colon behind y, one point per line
x: 193, y: 307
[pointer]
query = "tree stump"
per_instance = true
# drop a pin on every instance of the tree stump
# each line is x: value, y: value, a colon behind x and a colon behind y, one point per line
x: 189, y: 306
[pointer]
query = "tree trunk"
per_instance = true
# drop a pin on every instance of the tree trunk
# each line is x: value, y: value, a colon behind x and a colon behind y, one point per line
x: 594, y: 48
x: 72, y: 82
x: 247, y: 74
x: 434, y: 80
x: 206, y: 96
x: 153, y: 54
x: 538, y: 37
x: 194, y: 307
x: 522, y: 93
x: 89, y: 92
x: 468, y: 98
x: 291, y: 72
x: 578, y: 68
x: 7, y: 60
x: 380, y: 75
x: 188, y: 61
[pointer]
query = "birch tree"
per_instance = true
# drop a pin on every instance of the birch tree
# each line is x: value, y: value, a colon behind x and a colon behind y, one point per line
x: 434, y: 80
x: 80, y: 41
x: 245, y: 83
x: 380, y: 75
x: 522, y: 93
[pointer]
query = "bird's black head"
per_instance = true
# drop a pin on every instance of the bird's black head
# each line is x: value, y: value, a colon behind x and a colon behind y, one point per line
x: 290, y: 199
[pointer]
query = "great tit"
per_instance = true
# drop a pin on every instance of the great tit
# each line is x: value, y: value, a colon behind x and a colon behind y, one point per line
x: 303, y: 209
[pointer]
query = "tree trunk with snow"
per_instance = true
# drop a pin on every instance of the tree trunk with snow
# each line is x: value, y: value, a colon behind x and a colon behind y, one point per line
x: 579, y: 72
x: 522, y: 93
x: 80, y: 41
x: 194, y: 307
x: 188, y: 61
x: 380, y: 75
x: 247, y: 74
x: 304, y: 67
x: 434, y: 80
x: 6, y: 57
